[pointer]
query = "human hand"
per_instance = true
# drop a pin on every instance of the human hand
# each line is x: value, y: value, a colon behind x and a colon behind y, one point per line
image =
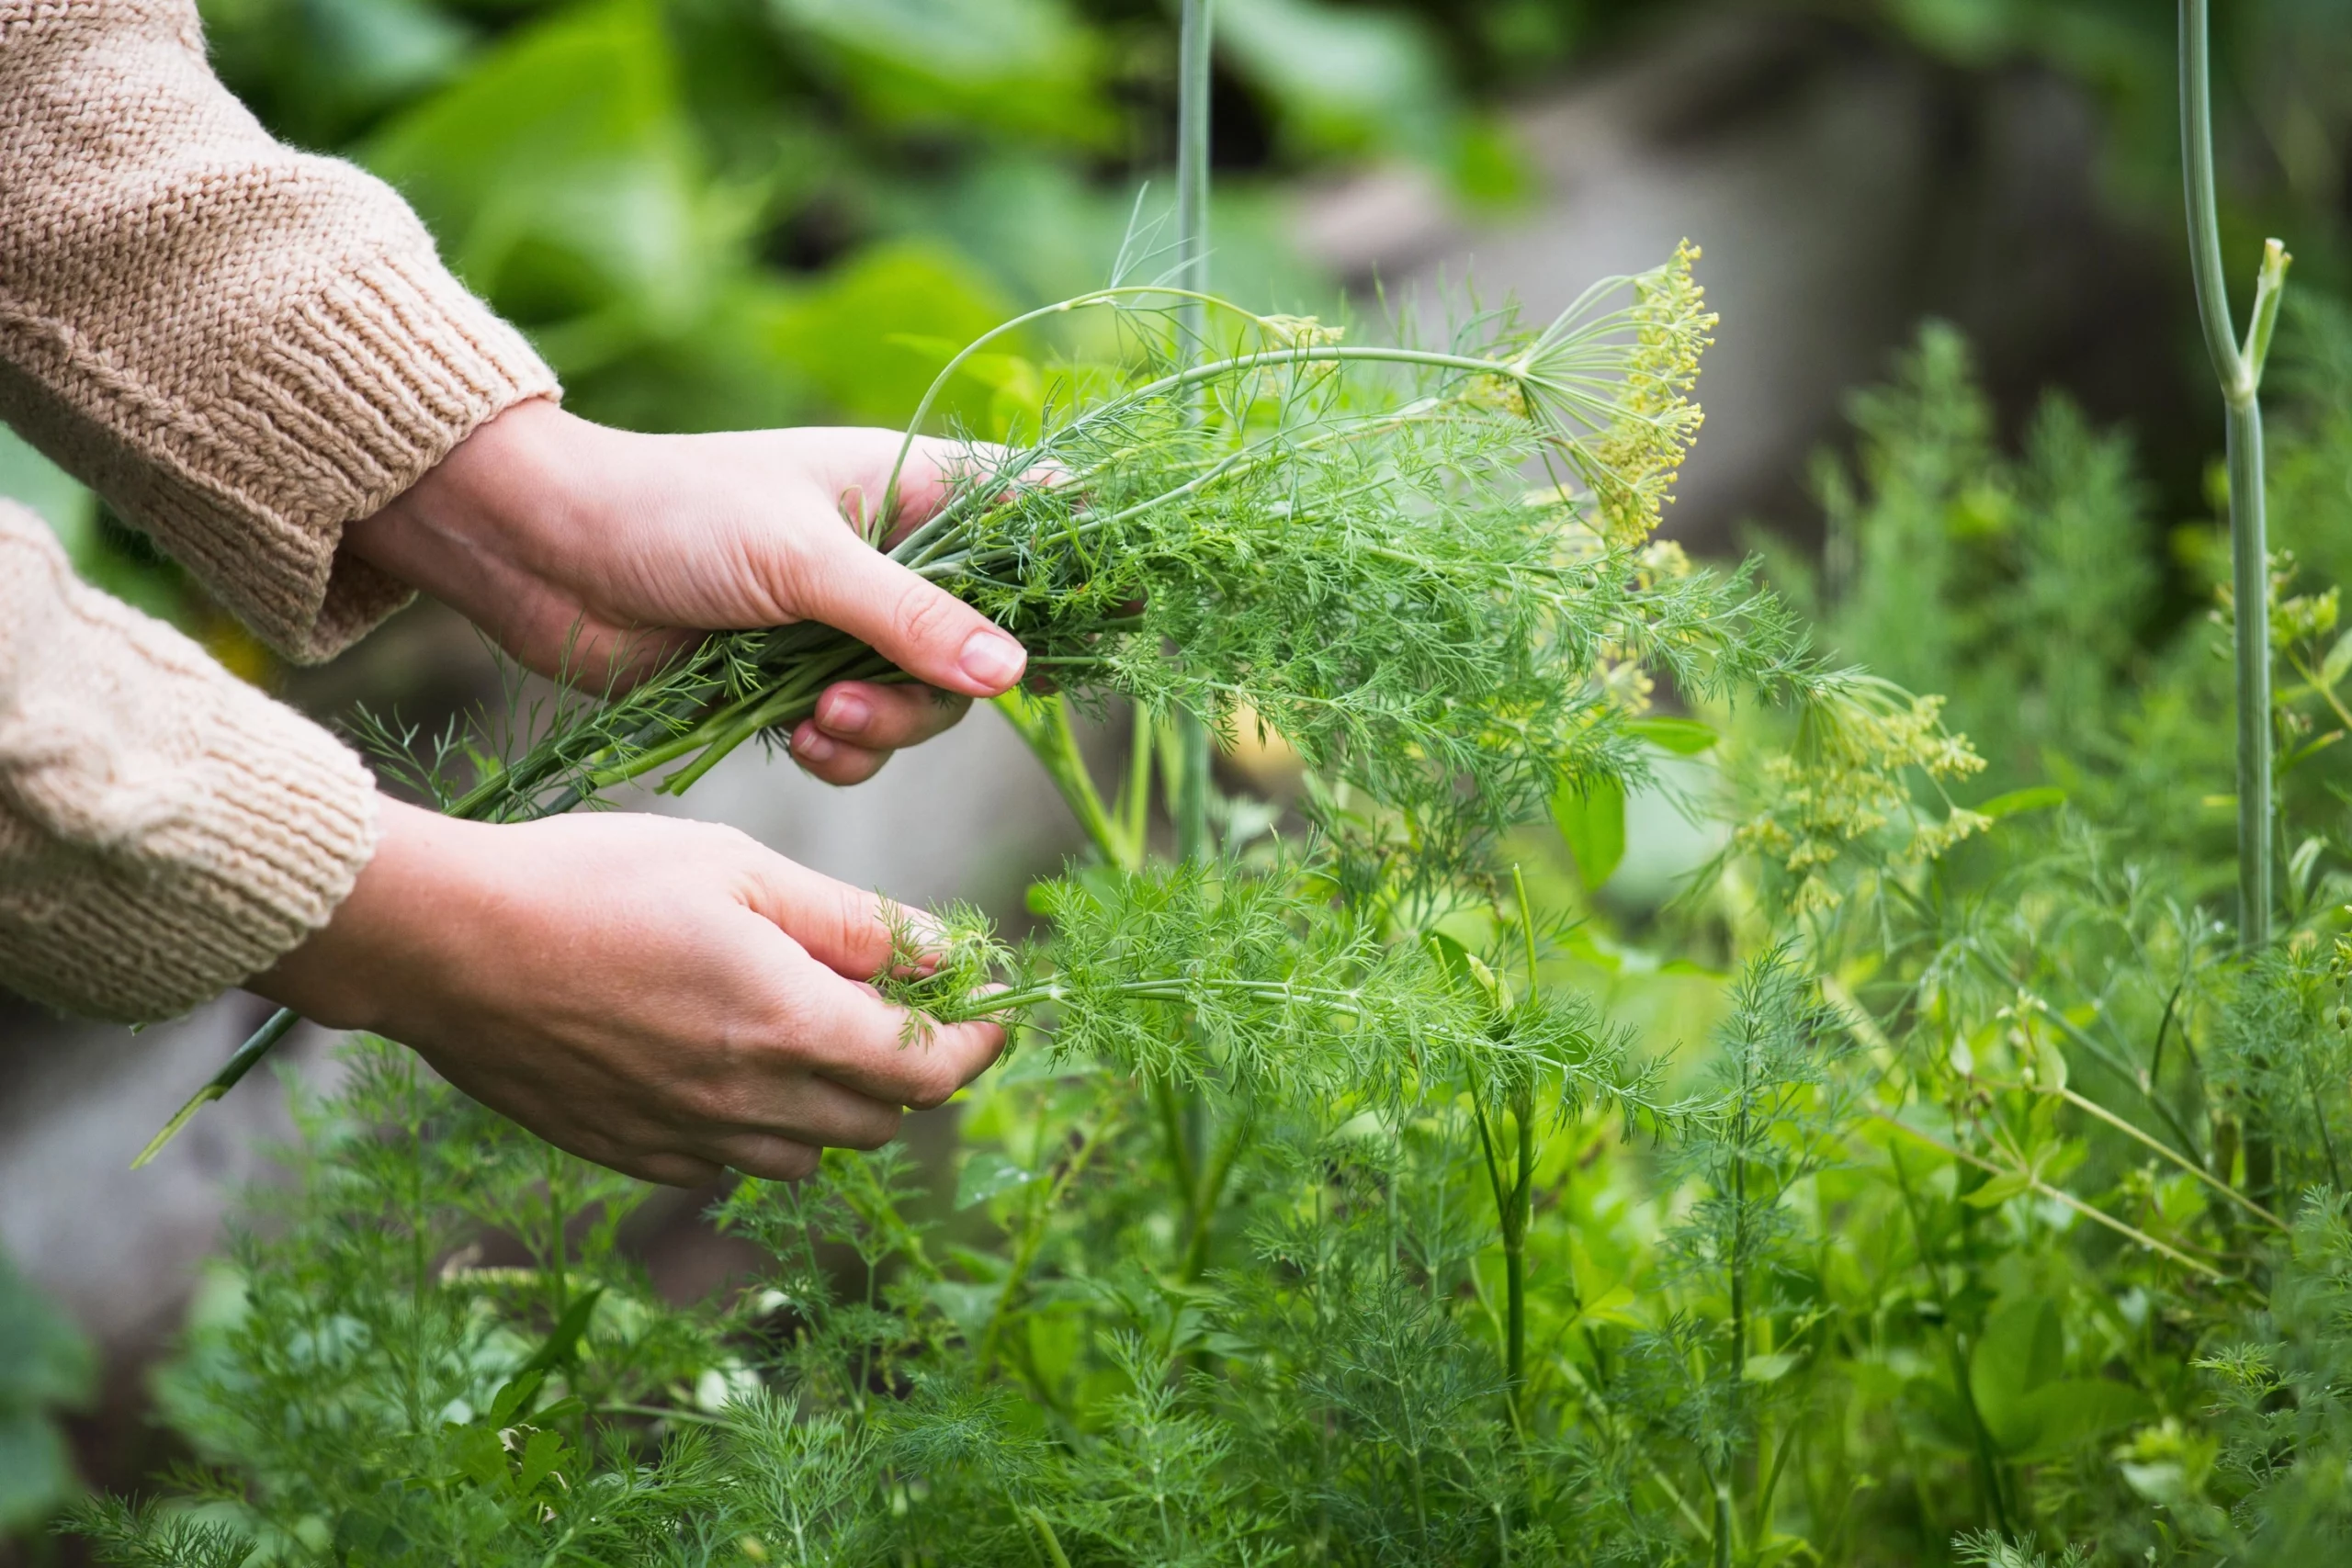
x: 665, y: 997
x: 584, y: 549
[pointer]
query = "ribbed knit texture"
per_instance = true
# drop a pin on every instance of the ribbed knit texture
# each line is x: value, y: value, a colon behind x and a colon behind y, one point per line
x: 166, y: 829
x: 243, y: 347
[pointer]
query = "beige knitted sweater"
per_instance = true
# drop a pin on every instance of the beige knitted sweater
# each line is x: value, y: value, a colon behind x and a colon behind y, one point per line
x: 242, y: 349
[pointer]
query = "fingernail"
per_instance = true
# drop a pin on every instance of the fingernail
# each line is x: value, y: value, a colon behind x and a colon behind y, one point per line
x: 846, y: 712
x: 810, y: 745
x: 993, y: 659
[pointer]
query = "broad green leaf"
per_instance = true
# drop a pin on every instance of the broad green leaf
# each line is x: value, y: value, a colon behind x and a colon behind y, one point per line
x: 1768, y: 1369
x: 1591, y: 819
x: 562, y: 177
x: 36, y: 1475
x: 2021, y: 1350
x: 1022, y: 65
x: 2073, y: 1411
x: 985, y: 1175
x: 1343, y: 77
x: 2017, y: 802
x: 863, y: 335
x: 1683, y: 737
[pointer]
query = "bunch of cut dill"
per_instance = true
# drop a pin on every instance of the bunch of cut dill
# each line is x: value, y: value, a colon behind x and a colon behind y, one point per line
x: 1339, y: 542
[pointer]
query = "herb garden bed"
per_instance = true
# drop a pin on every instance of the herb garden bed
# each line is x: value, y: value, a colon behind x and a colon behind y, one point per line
x: 1326, y: 1210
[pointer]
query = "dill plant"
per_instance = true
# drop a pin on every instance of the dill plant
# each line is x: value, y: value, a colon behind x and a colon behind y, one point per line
x: 1321, y: 1214
x: 1269, y: 1061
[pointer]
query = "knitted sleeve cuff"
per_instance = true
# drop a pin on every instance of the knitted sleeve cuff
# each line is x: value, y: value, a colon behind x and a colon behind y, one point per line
x: 243, y: 346
x: 166, y: 829
x: 325, y: 416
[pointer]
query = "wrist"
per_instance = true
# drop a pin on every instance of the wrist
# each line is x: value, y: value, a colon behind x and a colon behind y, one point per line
x: 476, y: 531
x: 406, y: 905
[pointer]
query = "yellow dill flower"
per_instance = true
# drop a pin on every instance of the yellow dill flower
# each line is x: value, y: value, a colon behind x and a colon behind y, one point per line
x: 1849, y: 780
x: 1637, y: 457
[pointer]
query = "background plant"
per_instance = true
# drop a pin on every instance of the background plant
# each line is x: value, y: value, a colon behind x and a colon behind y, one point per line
x: 2006, y: 1266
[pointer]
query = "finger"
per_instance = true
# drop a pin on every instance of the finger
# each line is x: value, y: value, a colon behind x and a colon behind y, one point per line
x: 666, y: 1169
x: 920, y: 627
x: 863, y: 1042
x: 845, y: 929
x: 768, y: 1156
x: 878, y: 717
x: 823, y: 757
x: 823, y: 1114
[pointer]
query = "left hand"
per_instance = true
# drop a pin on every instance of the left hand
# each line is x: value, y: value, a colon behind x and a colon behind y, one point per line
x: 580, y: 548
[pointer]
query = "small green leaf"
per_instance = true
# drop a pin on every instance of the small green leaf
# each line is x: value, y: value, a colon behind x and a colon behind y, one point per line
x: 985, y: 1175
x: 563, y: 1346
x: 1454, y: 958
x: 1591, y: 819
x: 2049, y: 1064
x: 2338, y: 663
x: 2001, y: 1189
x: 1768, y: 1369
x: 2018, y: 802
x: 1683, y: 737
x: 2310, y: 749
x: 514, y: 1396
x: 541, y: 1454
x: 968, y: 1305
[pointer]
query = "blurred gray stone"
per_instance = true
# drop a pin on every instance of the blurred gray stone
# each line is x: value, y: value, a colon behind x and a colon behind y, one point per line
x: 1841, y: 188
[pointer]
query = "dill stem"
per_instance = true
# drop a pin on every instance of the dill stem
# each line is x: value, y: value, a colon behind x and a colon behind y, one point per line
x: 2139, y: 1084
x: 1037, y: 1517
x: 2239, y: 371
x: 2090, y: 1212
x: 2092, y: 1108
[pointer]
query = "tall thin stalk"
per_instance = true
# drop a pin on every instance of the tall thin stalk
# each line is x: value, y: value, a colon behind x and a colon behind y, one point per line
x: 1187, y: 1117
x: 1190, y: 774
x: 2238, y: 366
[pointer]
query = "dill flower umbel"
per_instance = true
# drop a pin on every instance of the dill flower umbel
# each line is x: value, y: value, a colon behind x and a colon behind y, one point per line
x: 1847, y: 789
x: 1657, y: 422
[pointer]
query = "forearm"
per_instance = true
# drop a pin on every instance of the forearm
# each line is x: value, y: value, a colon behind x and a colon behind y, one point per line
x: 244, y: 348
x: 165, y: 831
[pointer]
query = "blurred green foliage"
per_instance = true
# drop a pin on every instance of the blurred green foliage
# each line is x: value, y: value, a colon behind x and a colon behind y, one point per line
x: 47, y: 1367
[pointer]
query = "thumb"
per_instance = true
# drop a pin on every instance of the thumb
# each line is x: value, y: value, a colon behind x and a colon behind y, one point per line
x: 845, y: 929
x: 920, y: 627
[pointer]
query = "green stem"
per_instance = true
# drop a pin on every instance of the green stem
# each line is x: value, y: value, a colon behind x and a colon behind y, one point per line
x: 2090, y: 1212
x: 1193, y: 39
x: 1053, y: 1544
x: 2239, y: 371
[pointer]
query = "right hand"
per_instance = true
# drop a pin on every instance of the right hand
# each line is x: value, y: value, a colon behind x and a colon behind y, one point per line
x: 665, y: 997
x: 584, y: 550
